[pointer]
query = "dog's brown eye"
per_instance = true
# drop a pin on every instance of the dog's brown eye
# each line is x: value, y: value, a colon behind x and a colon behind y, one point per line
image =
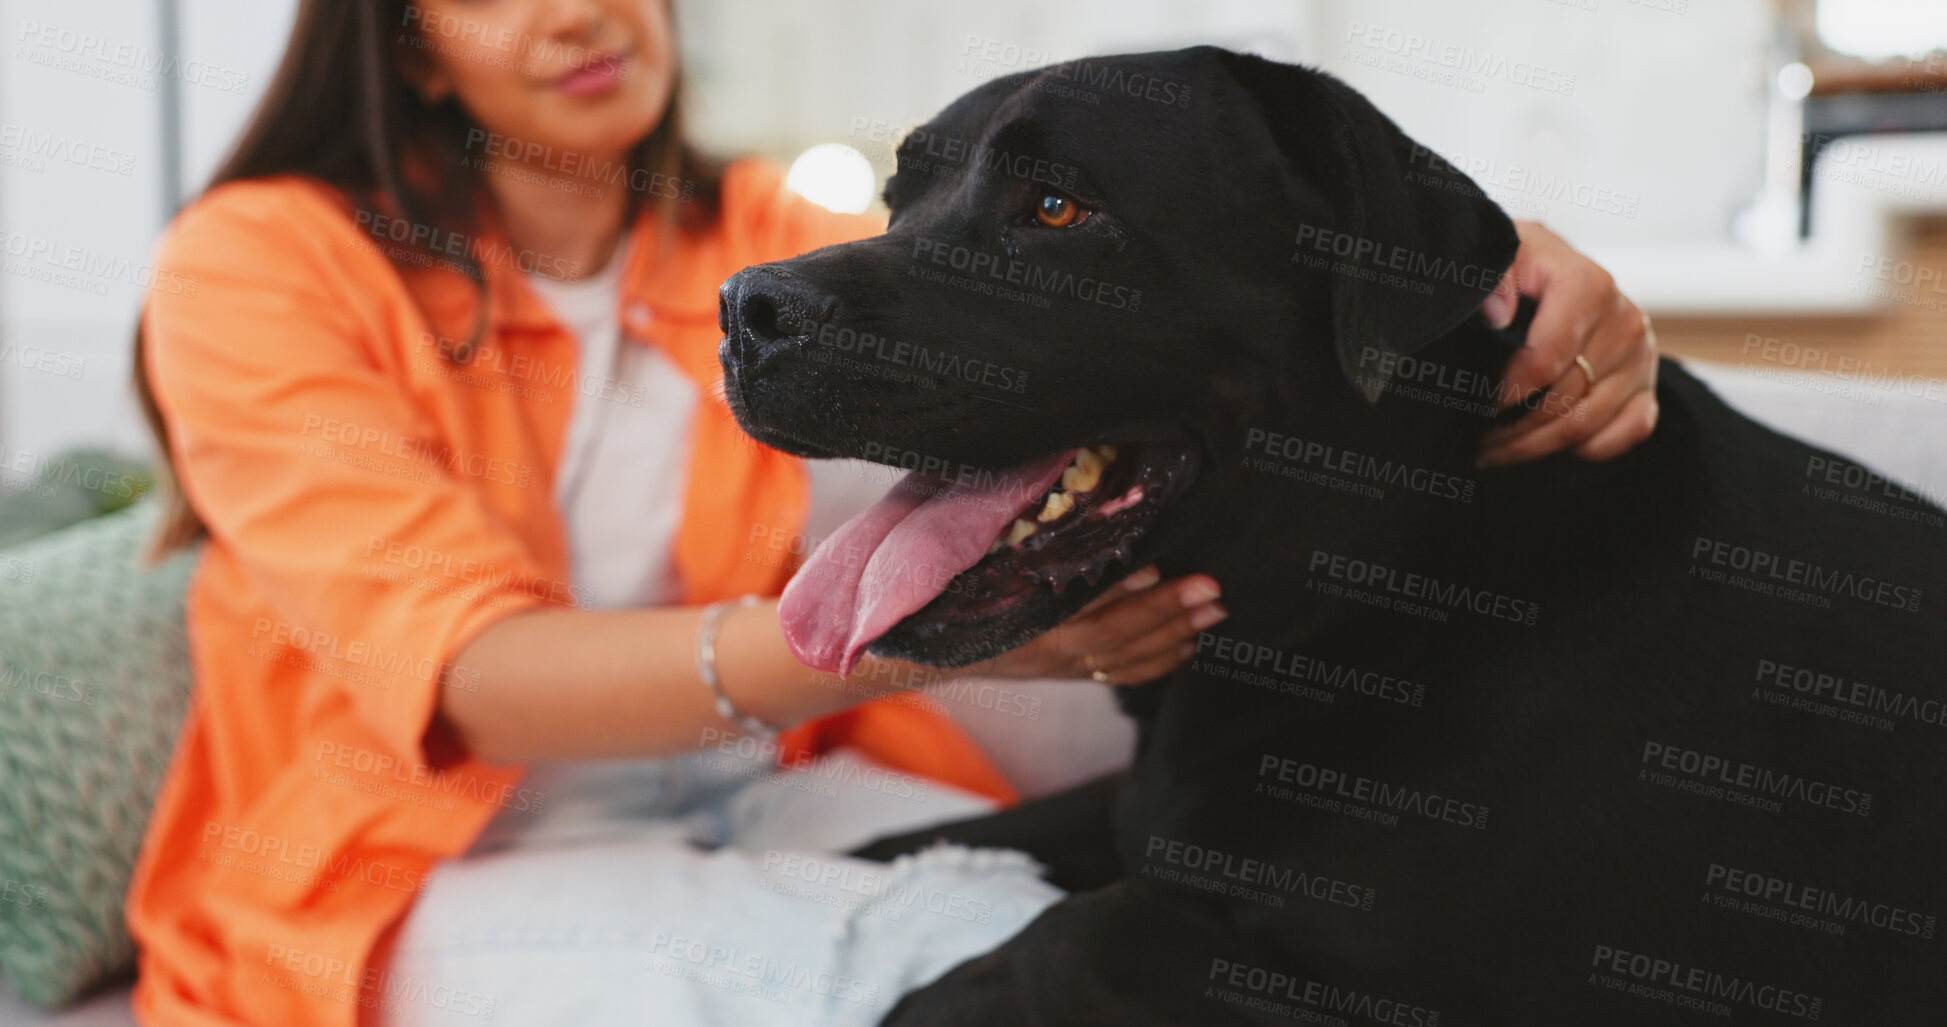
x: 1060, y: 212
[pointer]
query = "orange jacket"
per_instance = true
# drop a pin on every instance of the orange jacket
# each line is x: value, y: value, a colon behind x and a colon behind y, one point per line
x: 372, y: 505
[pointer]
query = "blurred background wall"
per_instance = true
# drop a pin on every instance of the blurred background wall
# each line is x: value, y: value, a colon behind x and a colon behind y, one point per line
x: 1663, y: 136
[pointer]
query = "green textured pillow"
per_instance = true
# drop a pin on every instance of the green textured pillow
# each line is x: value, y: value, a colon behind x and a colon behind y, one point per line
x: 94, y: 678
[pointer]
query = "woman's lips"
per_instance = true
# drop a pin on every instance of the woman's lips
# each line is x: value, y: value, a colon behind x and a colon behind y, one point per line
x: 600, y: 73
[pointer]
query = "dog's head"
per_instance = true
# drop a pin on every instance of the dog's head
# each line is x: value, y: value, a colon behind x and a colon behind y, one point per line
x: 1092, y: 273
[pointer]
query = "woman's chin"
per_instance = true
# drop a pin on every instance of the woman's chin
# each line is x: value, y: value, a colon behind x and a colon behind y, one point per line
x: 594, y: 129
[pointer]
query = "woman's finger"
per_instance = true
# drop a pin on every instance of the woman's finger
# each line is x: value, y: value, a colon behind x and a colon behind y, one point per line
x: 1615, y: 351
x: 1623, y: 348
x: 1591, y: 414
x: 1632, y: 425
x: 1622, y: 338
x: 1164, y: 638
x: 1563, y: 401
x: 1153, y: 666
x: 1082, y: 630
x: 1133, y: 614
x: 1500, y: 305
x: 1572, y: 295
x: 1135, y: 582
x: 1566, y: 321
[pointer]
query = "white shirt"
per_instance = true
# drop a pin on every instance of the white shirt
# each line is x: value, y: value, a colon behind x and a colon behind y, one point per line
x: 621, y: 482
x: 620, y: 490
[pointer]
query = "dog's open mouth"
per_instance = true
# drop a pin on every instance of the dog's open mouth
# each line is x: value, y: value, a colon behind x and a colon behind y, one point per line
x: 940, y: 557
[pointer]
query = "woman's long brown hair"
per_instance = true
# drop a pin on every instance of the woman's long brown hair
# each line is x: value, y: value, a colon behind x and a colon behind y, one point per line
x: 340, y: 110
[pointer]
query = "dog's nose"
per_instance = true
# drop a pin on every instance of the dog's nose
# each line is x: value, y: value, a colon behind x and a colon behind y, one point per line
x: 768, y: 309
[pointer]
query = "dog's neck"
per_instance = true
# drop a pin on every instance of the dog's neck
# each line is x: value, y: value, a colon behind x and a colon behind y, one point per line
x: 1443, y: 399
x: 1366, y: 480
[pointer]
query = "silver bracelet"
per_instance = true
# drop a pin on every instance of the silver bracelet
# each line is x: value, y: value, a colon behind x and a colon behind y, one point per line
x: 706, y: 666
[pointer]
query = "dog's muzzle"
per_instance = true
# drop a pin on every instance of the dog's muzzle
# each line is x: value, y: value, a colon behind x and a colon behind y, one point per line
x: 765, y: 312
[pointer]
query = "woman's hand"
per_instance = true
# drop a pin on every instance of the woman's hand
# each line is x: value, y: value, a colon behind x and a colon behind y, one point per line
x: 1578, y: 313
x: 1135, y: 632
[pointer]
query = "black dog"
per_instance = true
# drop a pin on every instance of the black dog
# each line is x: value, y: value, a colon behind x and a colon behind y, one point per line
x: 1657, y: 740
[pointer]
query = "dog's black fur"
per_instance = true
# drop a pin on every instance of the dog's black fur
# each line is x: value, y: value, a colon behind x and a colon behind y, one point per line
x: 1559, y: 839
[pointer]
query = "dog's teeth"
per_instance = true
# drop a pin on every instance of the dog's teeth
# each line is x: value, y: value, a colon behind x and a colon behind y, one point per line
x: 1021, y: 529
x: 1058, y: 503
x: 1085, y: 473
x: 1107, y: 452
x: 996, y: 547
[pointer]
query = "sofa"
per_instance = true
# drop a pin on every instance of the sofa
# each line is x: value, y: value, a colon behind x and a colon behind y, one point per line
x: 1046, y: 735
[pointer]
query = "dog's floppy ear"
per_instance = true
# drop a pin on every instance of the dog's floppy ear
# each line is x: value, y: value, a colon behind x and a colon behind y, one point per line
x: 1425, y: 245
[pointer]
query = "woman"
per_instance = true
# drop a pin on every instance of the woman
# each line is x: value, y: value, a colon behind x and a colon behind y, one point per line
x: 441, y: 403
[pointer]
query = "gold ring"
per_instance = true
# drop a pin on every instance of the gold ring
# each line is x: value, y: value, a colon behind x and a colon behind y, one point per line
x: 1587, y: 371
x: 1100, y: 675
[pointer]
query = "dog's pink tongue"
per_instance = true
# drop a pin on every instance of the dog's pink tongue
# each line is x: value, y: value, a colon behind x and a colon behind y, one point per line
x: 896, y: 557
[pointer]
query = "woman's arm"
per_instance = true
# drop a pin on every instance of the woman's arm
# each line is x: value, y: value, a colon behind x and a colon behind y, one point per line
x: 567, y: 684
x: 558, y: 683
